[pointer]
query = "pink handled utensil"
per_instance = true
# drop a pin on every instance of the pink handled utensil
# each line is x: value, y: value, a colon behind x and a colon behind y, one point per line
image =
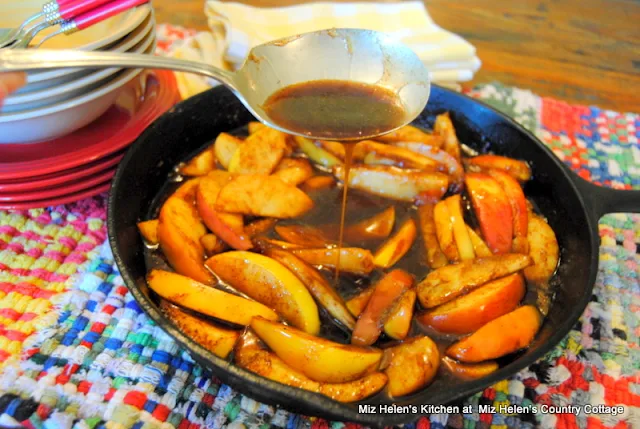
x: 99, y: 14
x: 73, y: 8
x: 82, y: 14
x: 11, y: 35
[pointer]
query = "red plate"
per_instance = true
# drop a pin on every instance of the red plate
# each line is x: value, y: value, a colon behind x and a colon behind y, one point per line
x: 56, y: 179
x: 59, y: 191
x: 143, y: 100
x: 69, y: 198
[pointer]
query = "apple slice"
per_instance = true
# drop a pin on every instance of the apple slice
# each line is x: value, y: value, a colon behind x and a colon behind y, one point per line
x: 373, y: 228
x: 444, y: 128
x: 212, y: 244
x: 412, y: 366
x: 249, y: 355
x: 460, y: 233
x: 264, y: 243
x: 493, y: 211
x: 544, y: 250
x: 217, y: 340
x: 304, y: 235
x: 149, y: 231
x: 519, y: 210
x: 449, y: 282
x: 260, y: 153
x: 397, y: 246
x: 395, y: 183
x: 268, y: 282
x: 260, y: 226
x: 201, y: 164
x: 352, y: 260
x: 504, y: 335
x: 469, y: 312
x: 444, y: 231
x: 187, y: 191
x: 519, y: 170
x: 195, y: 296
x: 409, y: 133
x: 382, y: 154
x: 317, y: 358
x: 388, y: 291
x: 228, y: 227
x: 480, y: 248
x: 399, y: 321
x: 255, y: 126
x: 225, y: 147
x: 320, y: 289
x: 334, y: 148
x: 316, y: 154
x: 294, y: 171
x: 319, y: 183
x: 435, y: 257
x: 358, y: 303
x: 469, y: 371
x: 266, y: 196
x: 179, y: 232
x: 445, y: 162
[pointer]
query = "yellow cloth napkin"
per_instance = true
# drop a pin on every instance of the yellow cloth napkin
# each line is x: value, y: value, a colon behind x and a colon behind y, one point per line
x: 236, y: 28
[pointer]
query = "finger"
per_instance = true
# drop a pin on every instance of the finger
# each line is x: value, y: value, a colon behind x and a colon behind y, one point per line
x: 10, y: 82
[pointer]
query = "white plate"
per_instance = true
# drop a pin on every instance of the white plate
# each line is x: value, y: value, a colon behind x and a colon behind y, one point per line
x: 136, y: 42
x: 64, y: 118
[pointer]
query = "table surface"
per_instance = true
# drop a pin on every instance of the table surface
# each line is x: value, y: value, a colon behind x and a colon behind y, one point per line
x: 581, y: 51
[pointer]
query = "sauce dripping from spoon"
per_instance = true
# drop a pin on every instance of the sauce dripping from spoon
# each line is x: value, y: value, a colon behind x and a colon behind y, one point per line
x: 342, y: 111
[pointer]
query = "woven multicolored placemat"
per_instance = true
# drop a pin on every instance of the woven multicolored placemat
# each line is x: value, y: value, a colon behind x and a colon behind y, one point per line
x: 77, y: 351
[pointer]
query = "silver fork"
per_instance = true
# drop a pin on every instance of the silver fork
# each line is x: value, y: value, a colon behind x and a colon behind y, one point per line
x: 14, y: 34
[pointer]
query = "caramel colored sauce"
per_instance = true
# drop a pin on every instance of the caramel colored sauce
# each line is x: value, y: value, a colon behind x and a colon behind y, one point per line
x: 335, y: 109
x: 348, y: 156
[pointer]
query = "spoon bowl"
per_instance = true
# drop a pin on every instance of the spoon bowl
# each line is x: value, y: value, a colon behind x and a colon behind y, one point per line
x: 359, y: 56
x: 353, y: 55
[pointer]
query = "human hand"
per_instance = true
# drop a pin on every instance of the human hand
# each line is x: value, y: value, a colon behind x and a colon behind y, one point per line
x: 10, y: 82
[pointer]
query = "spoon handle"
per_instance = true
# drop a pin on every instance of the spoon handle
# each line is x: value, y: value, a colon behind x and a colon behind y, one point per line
x: 31, y: 59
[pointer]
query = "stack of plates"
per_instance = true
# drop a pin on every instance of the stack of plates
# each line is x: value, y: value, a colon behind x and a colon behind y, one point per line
x: 62, y: 135
x: 81, y: 164
x: 57, y: 102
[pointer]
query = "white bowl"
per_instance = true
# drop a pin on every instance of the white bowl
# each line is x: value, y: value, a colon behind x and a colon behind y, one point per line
x: 60, y: 119
x: 57, y: 83
x: 137, y: 43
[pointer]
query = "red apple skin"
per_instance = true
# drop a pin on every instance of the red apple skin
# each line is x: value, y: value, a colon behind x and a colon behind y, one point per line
x: 506, y: 334
x: 493, y: 211
x: 518, y: 202
x: 469, y: 371
x: 473, y: 310
x: 206, y: 202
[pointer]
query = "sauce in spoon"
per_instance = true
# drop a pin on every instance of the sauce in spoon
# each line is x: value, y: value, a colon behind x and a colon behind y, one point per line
x: 335, y: 109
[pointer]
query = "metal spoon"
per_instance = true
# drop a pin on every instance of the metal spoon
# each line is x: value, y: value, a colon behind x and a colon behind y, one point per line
x: 355, y: 55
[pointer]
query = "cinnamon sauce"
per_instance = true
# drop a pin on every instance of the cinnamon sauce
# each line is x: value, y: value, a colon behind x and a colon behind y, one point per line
x: 348, y: 157
x: 337, y: 110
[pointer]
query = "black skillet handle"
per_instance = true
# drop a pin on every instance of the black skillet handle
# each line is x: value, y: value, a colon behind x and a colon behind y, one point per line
x: 600, y: 200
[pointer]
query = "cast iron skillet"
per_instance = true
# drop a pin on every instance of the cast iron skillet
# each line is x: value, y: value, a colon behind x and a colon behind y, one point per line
x: 571, y: 205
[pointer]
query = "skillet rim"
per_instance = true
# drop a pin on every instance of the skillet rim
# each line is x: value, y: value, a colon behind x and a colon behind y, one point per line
x: 305, y: 402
